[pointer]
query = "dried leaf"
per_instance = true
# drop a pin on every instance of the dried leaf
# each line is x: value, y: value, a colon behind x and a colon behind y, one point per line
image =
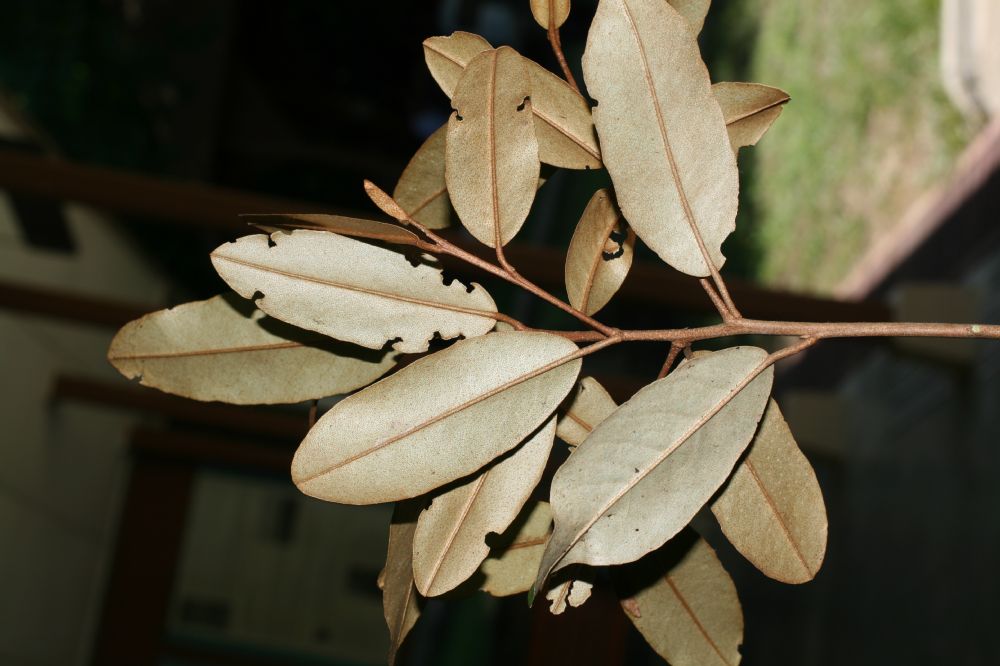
x: 772, y: 509
x: 450, y: 542
x: 224, y: 349
x: 693, y: 11
x: 421, y: 190
x: 591, y: 405
x: 513, y: 563
x: 663, y: 137
x: 547, y: 12
x: 400, y: 600
x: 685, y: 606
x: 749, y: 109
x: 436, y: 420
x: 649, y: 467
x: 492, y: 154
x: 564, y: 127
x: 352, y: 291
x: 345, y: 226
x: 572, y: 592
x: 447, y: 57
x: 599, y: 255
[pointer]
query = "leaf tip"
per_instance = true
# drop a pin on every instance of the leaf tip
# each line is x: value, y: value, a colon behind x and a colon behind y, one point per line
x: 385, y: 202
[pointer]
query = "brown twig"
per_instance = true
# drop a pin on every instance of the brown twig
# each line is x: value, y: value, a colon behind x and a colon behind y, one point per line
x: 717, y: 301
x: 675, y: 349
x: 508, y: 273
x: 556, y: 43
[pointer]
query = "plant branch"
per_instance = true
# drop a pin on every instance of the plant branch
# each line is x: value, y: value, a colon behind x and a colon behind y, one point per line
x: 675, y: 350
x: 556, y: 43
x: 717, y: 301
x: 505, y: 271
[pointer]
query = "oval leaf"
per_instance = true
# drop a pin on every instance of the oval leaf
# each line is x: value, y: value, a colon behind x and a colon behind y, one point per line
x: 400, y: 600
x: 564, y: 127
x: 513, y: 563
x: 345, y: 226
x: 352, y: 291
x: 225, y: 350
x: 447, y: 57
x: 693, y: 11
x: 649, y: 467
x: 663, y: 138
x: 436, y: 420
x: 772, y: 510
x: 421, y: 190
x: 684, y: 604
x: 450, y: 542
x: 591, y: 404
x: 492, y: 154
x: 599, y: 255
x: 749, y: 109
x: 549, y: 12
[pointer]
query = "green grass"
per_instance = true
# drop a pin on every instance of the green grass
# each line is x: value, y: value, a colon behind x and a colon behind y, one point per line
x: 867, y: 131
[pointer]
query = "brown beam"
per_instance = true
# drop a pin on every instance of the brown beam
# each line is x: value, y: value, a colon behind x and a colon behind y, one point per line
x: 61, y: 304
x: 199, y: 449
x: 205, y: 206
x: 256, y: 421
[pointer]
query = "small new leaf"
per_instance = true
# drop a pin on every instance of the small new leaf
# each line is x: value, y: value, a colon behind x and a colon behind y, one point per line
x: 421, y: 190
x: 599, y: 255
x: 491, y: 153
x: 649, y: 467
x: 450, y: 542
x: 684, y: 604
x: 749, y: 109
x: 351, y: 290
x: 436, y: 420
x: 550, y: 12
x: 772, y: 509
x: 590, y: 406
x: 663, y: 137
x: 225, y: 349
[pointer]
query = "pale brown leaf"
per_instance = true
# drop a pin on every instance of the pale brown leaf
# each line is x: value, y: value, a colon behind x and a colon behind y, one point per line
x: 421, y: 190
x: 225, y: 349
x: 663, y: 137
x: 564, y: 127
x: 447, y: 57
x: 693, y: 11
x: 599, y: 255
x: 400, y: 599
x: 591, y: 404
x: 512, y: 564
x: 684, y: 603
x: 749, y: 109
x: 351, y: 290
x: 573, y: 592
x: 450, y: 542
x: 345, y: 226
x: 649, y: 467
x: 549, y: 12
x: 491, y: 153
x: 772, y: 510
x: 436, y: 420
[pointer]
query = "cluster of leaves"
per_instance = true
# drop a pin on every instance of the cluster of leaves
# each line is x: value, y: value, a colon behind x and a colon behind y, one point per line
x: 460, y: 438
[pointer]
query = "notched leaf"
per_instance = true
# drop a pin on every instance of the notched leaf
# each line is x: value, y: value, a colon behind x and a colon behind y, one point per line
x: 351, y: 290
x: 421, y: 190
x: 515, y: 554
x: 599, y: 255
x: 491, y: 154
x: 749, y: 109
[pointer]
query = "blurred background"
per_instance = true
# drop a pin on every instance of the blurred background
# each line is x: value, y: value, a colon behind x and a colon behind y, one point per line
x: 138, y: 528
